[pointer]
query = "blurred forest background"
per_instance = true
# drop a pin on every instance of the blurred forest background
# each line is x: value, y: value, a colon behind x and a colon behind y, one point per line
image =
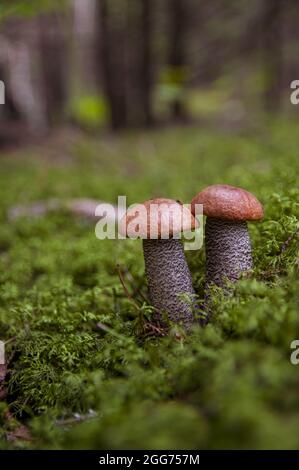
x: 140, y: 63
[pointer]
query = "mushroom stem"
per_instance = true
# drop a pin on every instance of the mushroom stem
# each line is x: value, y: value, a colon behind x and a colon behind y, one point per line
x: 228, y: 250
x: 168, y: 278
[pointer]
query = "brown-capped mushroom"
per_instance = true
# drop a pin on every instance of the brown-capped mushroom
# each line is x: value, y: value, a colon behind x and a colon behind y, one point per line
x: 159, y: 222
x: 227, y: 242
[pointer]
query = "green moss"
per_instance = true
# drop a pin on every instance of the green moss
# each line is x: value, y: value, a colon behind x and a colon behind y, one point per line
x: 77, y: 342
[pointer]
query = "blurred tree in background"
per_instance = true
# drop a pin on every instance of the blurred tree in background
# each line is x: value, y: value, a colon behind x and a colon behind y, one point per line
x: 133, y: 63
x: 177, y: 54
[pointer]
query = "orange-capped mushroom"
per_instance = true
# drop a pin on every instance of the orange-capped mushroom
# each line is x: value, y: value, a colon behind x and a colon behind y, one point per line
x: 159, y: 223
x: 228, y: 246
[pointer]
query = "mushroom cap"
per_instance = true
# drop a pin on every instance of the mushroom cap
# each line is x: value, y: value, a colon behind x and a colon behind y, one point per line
x: 157, y: 218
x: 222, y: 201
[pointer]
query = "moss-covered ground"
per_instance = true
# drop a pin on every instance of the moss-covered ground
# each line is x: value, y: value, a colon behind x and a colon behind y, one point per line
x: 83, y: 370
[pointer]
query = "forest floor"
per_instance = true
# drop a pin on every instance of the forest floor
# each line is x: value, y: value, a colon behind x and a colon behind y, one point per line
x: 82, y: 370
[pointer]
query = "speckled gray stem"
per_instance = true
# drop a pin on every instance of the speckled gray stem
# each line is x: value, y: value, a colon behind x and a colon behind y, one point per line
x: 168, y: 278
x: 228, y: 250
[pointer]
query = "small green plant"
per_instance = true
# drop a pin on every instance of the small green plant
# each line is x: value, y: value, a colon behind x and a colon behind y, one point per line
x: 90, y: 112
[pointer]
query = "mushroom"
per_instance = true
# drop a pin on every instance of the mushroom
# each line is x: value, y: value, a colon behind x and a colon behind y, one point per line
x: 159, y: 223
x: 227, y: 242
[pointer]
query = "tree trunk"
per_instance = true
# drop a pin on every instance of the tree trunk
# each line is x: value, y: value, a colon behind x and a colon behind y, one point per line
x: 139, y: 67
x: 273, y: 54
x: 177, y: 54
x: 146, y: 61
x: 24, y: 85
x: 53, y: 55
x: 112, y: 47
x: 83, y: 70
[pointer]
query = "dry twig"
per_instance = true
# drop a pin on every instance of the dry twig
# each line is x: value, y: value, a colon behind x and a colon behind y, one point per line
x: 288, y: 241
